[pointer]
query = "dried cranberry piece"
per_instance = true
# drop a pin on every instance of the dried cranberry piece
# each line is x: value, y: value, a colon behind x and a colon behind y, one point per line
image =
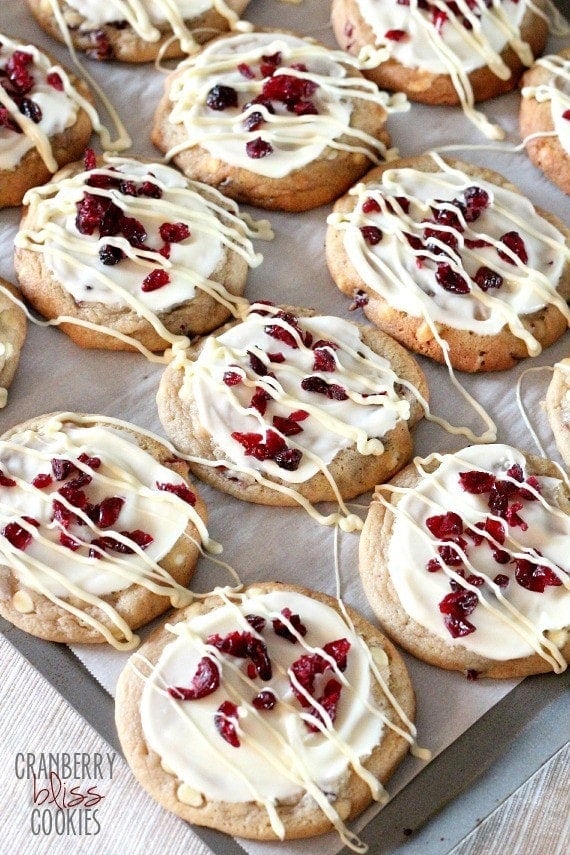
x: 258, y: 148
x: 371, y: 206
x: 253, y: 121
x: 444, y: 237
x: 396, y: 35
x: 513, y: 518
x: 55, y: 80
x: 487, y: 278
x: 90, y: 212
x: 225, y: 720
x: 31, y: 110
x: 246, y: 70
x: 174, y: 232
x: 110, y: 255
x: 257, y: 622
x: 306, y: 667
x: 245, y: 645
x: 329, y: 701
x: 535, y: 577
x: 532, y: 482
x: 501, y: 580
x: 19, y: 75
x: 476, y: 481
x: 106, y: 513
x: 321, y: 387
x: 205, y: 681
x: 445, y: 525
x: 232, y: 378
x: 183, y: 491
x: 91, y: 462
x: 5, y: 481
x: 128, y: 188
x: 257, y: 364
x: 62, y: 468
x: 17, y: 535
x: 476, y: 200
x: 288, y: 89
x: 221, y: 97
x: 133, y: 230
x: 304, y: 108
x: 451, y: 280
x: 265, y: 700
x: 287, y: 426
x: 514, y: 242
x: 372, y: 235
x: 259, y: 400
x: 156, y: 279
x: 338, y: 649
x: 455, y: 607
x: 282, y: 630
x: 270, y: 63
x: 41, y: 481
x: 288, y: 459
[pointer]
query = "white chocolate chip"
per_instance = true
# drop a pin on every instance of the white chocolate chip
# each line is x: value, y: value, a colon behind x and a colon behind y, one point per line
x: 23, y: 603
x: 188, y: 796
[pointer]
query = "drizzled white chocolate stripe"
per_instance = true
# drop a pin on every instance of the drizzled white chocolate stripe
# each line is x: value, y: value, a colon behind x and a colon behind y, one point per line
x: 278, y: 760
x: 296, y: 139
x: 127, y: 472
x: 556, y: 90
x: 510, y: 622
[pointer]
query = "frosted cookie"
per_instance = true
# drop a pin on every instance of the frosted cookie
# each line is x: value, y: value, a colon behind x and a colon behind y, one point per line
x: 13, y: 327
x: 136, y: 30
x: 287, y: 405
x: 136, y: 249
x: 46, y: 118
x: 465, y: 557
x: 272, y: 119
x: 558, y: 407
x: 100, y: 529
x: 545, y: 115
x: 266, y: 714
x: 442, y: 52
x: 453, y: 261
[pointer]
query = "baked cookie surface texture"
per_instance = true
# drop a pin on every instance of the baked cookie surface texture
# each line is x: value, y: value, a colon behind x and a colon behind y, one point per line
x: 13, y: 328
x: 100, y: 529
x: 136, y: 30
x: 272, y: 119
x: 261, y: 713
x: 465, y: 560
x: 545, y: 116
x: 285, y: 405
x: 133, y: 248
x: 46, y: 118
x: 558, y: 407
x: 452, y: 261
x: 443, y: 52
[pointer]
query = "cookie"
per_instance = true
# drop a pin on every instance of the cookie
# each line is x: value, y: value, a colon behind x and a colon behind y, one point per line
x: 119, y: 31
x: 544, y: 116
x: 558, y: 407
x: 100, y: 529
x: 453, y: 261
x: 133, y: 251
x: 13, y: 328
x: 457, y: 55
x: 46, y: 118
x: 465, y: 557
x: 259, y: 714
x: 288, y: 405
x: 272, y: 119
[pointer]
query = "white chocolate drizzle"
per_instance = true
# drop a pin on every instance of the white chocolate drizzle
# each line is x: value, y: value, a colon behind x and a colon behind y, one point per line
x: 556, y: 90
x: 510, y: 622
x: 278, y: 760
x: 68, y: 560
x: 295, y: 140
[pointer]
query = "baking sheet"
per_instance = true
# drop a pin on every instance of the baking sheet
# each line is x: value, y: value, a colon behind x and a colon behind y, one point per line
x: 55, y: 374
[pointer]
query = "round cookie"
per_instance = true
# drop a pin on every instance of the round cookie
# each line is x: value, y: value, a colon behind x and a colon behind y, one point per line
x: 445, y: 255
x: 545, y: 111
x: 272, y: 119
x: 277, y: 661
x: 46, y: 118
x: 13, y: 328
x: 558, y: 407
x: 100, y: 529
x: 134, y: 249
x: 464, y: 559
x: 289, y: 405
x: 119, y: 31
x: 439, y: 56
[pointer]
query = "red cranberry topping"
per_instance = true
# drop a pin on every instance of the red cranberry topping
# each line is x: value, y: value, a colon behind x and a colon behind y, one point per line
x: 451, y: 280
x: 258, y: 148
x: 91, y: 462
x: 501, y: 580
x: 6, y: 121
x: 156, y: 279
x: 329, y: 701
x: 476, y: 482
x: 257, y: 364
x: 265, y: 700
x: 257, y: 622
x: 371, y: 206
x: 221, y: 97
x: 253, y: 121
x: 270, y: 62
x: 455, y: 607
x: 371, y: 234
x: 101, y: 48
x: 232, y: 378
x: 487, y: 278
x: 476, y: 200
x: 514, y: 242
x: 566, y: 114
x: 445, y: 525
x: 259, y: 400
x: 31, y: 110
x: 287, y: 426
x: 304, y: 108
x: 308, y: 666
x: 174, y: 232
x: 17, y: 535
x: 396, y: 35
x: 110, y: 255
x: 288, y: 459
x: 225, y: 720
x: 283, y: 630
x: 284, y: 335
x: 62, y: 468
x: 107, y: 512
x: 205, y: 681
x: 321, y: 387
x: 140, y: 538
x: 183, y: 491
x: 535, y: 577
x: 42, y: 480
x: 20, y: 79
x: 5, y: 481
x: 245, y: 645
x: 246, y: 70
x: 288, y: 89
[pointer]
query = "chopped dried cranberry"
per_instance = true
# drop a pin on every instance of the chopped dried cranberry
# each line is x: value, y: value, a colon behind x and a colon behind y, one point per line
x: 244, y: 645
x: 328, y: 701
x: 455, y: 607
x: 450, y: 279
x: 265, y: 700
x: 283, y: 630
x: 110, y: 255
x: 535, y: 577
x: 501, y: 580
x: 246, y: 70
x: 304, y: 108
x: 321, y: 387
x: 91, y: 462
x: 257, y: 364
x: 156, y: 279
x: 476, y: 200
x: 531, y: 494
x: 55, y: 80
x: 288, y: 459
x: 253, y: 121
x: 476, y: 481
x: 487, y: 278
x: 17, y: 535
x: 257, y: 622
x: 128, y: 188
x: 221, y: 97
x: 62, y: 468
x: 258, y: 148
x: 514, y: 242
x: 106, y: 513
x: 5, y: 481
x: 287, y: 425
x: 396, y: 35
x: 232, y: 378
x: 183, y: 491
x: 68, y: 541
x: 371, y: 234
x: 225, y: 720
x: 41, y: 481
x: 205, y: 681
x: 288, y: 89
x: 270, y: 63
x: 149, y: 189
x: 445, y: 525
x: 259, y: 400
x: 371, y: 206
x: 174, y: 232
x: 513, y: 518
x: 31, y: 110
x: 133, y: 230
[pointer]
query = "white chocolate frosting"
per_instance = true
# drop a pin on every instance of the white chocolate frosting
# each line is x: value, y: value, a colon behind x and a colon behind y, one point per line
x: 510, y: 622
x: 556, y: 90
x: 214, y: 226
x: 294, y: 140
x: 369, y: 409
x: 58, y: 107
x: 59, y: 558
x: 278, y: 759
x: 405, y: 275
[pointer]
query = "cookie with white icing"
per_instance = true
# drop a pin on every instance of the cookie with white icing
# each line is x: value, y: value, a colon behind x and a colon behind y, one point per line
x: 289, y: 404
x: 13, y: 328
x: 134, y: 248
x: 136, y: 32
x: 272, y: 119
x: 558, y: 407
x: 276, y: 669
x: 545, y: 114
x: 465, y: 560
x: 100, y: 529
x: 46, y: 118
x: 453, y: 261
x: 444, y: 53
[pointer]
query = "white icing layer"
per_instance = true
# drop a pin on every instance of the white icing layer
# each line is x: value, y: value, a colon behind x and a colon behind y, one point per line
x: 556, y: 90
x: 294, y: 140
x: 328, y: 425
x: 405, y: 275
x: 278, y: 759
x: 510, y: 622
